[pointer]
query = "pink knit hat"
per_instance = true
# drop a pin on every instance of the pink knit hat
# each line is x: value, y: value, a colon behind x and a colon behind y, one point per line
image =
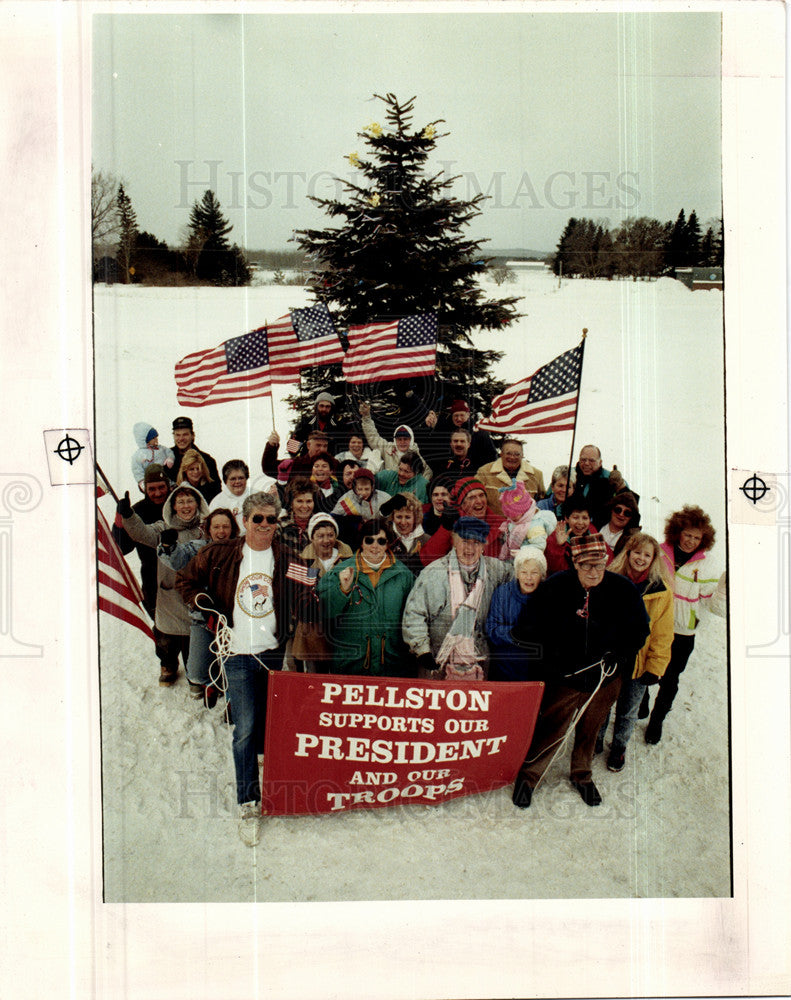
x: 515, y: 500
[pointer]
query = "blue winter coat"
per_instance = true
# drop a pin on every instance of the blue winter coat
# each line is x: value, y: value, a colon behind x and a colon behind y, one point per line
x: 507, y: 660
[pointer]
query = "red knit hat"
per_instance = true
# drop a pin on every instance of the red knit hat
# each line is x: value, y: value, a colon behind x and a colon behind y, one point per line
x: 459, y: 406
x: 463, y: 487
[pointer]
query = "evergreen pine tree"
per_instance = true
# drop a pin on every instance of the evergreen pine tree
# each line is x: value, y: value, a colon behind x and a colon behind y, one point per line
x: 400, y: 249
x: 707, y: 248
x: 127, y: 233
x: 718, y: 246
x: 207, y: 247
x: 692, y: 240
x: 675, y: 248
x: 560, y: 261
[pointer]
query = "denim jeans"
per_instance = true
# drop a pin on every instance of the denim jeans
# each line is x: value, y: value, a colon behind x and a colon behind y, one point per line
x: 626, y: 707
x: 247, y: 684
x: 200, y: 656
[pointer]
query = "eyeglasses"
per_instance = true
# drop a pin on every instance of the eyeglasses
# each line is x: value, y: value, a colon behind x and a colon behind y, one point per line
x: 621, y: 510
x: 591, y: 567
x: 258, y: 518
x: 370, y: 540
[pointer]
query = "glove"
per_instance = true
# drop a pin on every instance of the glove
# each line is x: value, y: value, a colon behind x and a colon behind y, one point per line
x: 648, y: 678
x: 125, y: 505
x: 449, y: 517
x: 426, y: 663
x: 169, y: 537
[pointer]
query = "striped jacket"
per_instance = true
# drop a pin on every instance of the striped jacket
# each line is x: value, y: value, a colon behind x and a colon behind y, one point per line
x: 694, y: 586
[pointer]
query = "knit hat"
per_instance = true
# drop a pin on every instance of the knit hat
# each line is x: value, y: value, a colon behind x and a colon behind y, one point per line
x: 588, y: 548
x: 459, y: 406
x: 325, y: 397
x: 151, y: 435
x: 318, y: 519
x: 363, y: 474
x: 182, y: 423
x: 471, y: 527
x: 401, y: 432
x: 155, y: 474
x: 464, y: 486
x: 515, y: 500
x: 529, y: 553
x: 398, y: 502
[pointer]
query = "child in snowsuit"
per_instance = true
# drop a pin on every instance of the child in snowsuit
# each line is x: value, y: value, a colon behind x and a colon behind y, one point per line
x: 148, y: 452
x: 525, y: 524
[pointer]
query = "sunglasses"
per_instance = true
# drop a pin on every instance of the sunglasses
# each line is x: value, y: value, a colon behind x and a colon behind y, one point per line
x: 259, y: 518
x: 370, y: 540
x: 621, y: 510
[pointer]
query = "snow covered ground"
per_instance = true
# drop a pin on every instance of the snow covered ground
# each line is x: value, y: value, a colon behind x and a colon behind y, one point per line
x: 652, y: 399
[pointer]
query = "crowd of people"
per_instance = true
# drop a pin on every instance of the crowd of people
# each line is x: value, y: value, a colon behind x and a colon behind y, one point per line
x: 428, y: 552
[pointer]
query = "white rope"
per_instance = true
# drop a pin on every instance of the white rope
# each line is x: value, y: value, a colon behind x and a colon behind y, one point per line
x: 220, y: 646
x: 605, y: 672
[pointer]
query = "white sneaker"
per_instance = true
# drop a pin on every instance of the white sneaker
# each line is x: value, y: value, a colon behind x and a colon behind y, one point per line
x: 250, y: 823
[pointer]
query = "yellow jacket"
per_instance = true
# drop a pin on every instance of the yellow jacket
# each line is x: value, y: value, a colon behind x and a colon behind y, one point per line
x: 655, y: 655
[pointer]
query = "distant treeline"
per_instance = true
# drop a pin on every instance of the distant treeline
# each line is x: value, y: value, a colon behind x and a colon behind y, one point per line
x: 638, y: 248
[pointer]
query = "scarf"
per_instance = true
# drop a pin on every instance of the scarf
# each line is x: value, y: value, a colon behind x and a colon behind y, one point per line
x: 515, y: 532
x: 457, y: 656
x: 409, y: 540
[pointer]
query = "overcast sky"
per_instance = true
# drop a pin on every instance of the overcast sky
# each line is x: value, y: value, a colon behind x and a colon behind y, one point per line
x: 553, y: 114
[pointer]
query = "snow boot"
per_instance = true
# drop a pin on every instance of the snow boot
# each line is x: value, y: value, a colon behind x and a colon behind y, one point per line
x: 616, y: 758
x: 523, y: 793
x: 210, y: 696
x: 196, y: 690
x: 653, y: 731
x: 589, y: 792
x: 167, y: 676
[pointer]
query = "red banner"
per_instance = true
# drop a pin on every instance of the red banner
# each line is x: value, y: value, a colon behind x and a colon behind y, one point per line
x: 343, y: 742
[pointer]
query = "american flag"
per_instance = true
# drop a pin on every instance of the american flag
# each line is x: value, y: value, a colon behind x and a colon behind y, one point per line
x: 237, y: 369
x: 302, y: 573
x: 247, y: 366
x: 304, y: 338
x: 544, y: 402
x: 119, y: 592
x: 379, y: 352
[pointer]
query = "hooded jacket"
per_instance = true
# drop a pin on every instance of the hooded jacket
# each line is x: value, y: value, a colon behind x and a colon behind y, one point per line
x: 145, y: 456
x: 387, y: 449
x: 172, y: 616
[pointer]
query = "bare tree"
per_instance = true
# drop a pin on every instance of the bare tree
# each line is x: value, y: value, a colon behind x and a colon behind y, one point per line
x: 105, y: 220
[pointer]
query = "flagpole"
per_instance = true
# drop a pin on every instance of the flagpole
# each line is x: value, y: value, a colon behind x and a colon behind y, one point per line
x: 576, y: 410
x: 107, y: 481
x: 271, y: 393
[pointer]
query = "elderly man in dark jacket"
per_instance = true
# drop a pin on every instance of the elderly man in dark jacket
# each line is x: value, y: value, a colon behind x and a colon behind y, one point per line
x: 589, y: 626
x: 244, y: 580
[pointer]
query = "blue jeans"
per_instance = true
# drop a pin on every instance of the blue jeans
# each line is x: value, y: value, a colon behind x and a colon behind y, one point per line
x: 626, y: 707
x: 247, y: 685
x: 200, y: 656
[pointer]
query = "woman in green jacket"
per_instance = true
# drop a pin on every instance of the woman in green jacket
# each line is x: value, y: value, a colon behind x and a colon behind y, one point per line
x: 363, y: 598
